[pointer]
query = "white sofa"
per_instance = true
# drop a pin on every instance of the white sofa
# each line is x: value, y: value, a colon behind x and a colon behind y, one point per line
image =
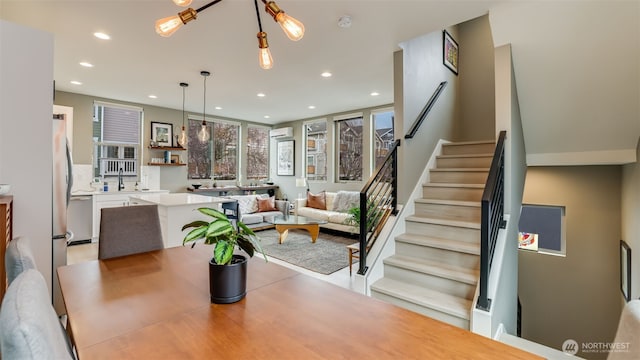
x: 336, y: 211
x: 254, y: 219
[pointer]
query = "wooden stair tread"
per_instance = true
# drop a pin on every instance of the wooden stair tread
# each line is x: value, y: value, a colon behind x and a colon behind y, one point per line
x: 445, y: 222
x: 456, y: 156
x: 436, y: 300
x: 459, y: 170
x: 473, y: 142
x: 443, y: 270
x: 451, y: 185
x: 440, y: 243
x: 448, y: 202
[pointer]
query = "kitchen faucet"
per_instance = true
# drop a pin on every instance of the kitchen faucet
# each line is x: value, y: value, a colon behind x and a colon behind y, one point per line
x: 120, y: 182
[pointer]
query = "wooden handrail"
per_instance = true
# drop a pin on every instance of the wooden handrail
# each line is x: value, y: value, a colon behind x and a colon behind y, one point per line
x: 425, y: 111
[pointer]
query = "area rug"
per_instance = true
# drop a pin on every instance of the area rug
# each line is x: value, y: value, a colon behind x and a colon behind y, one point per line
x: 328, y: 255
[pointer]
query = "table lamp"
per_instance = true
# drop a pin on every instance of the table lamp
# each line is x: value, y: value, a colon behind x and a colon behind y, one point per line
x: 301, y: 183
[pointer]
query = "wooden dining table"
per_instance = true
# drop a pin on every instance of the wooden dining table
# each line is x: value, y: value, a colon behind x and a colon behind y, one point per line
x: 156, y: 305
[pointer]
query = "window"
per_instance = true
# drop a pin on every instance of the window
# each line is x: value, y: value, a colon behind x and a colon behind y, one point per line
x: 218, y: 158
x: 257, y: 153
x: 382, y: 136
x: 542, y: 229
x: 316, y: 150
x: 350, y: 148
x: 116, y: 138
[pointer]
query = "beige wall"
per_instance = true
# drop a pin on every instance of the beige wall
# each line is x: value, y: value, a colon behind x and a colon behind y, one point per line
x: 578, y: 296
x: 631, y: 218
x: 477, y: 99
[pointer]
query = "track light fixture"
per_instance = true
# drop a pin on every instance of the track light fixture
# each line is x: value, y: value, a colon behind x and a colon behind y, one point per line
x: 293, y: 28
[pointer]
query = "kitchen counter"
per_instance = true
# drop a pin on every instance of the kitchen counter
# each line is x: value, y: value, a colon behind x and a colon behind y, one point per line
x: 178, y: 199
x: 177, y: 209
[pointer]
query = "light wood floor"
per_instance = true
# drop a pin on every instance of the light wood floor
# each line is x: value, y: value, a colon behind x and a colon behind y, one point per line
x: 86, y: 252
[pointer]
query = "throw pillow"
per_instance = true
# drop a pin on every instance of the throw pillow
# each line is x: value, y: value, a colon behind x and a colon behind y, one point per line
x: 268, y: 204
x: 345, y: 200
x: 316, y: 201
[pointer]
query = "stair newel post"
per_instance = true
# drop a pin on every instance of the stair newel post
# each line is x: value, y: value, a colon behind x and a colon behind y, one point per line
x: 362, y: 266
x: 394, y: 178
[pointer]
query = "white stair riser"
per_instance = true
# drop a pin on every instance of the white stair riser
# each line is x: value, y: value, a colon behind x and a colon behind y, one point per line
x: 464, y: 162
x: 452, y: 193
x: 459, y: 177
x: 463, y: 149
x: 454, y: 258
x: 430, y: 281
x: 432, y: 313
x: 443, y: 231
x: 454, y: 212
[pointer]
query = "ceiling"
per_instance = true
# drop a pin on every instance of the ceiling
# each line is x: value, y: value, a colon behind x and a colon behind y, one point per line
x: 137, y: 62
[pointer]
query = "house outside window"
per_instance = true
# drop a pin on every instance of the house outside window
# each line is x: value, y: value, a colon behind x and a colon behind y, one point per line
x: 316, y: 150
x: 116, y: 139
x: 349, y: 136
x: 257, y: 153
x: 382, y: 136
x: 216, y: 159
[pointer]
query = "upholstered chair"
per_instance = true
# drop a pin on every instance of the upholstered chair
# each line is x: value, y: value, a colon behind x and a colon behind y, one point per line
x: 29, y: 326
x: 129, y: 230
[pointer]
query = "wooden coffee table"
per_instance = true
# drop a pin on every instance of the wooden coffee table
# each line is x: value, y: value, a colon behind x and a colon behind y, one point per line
x: 285, y: 223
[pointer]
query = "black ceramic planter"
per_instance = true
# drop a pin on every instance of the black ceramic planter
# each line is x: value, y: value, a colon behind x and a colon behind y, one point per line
x: 228, y: 283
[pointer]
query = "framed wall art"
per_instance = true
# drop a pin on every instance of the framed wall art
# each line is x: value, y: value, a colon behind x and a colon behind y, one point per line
x: 286, y: 157
x: 162, y: 133
x: 449, y: 52
x: 625, y: 270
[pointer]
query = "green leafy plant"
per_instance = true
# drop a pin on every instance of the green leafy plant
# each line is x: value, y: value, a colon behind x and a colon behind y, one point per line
x: 221, y: 233
x: 354, y: 219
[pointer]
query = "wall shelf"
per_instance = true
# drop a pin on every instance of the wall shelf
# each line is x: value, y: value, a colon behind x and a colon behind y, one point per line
x: 170, y: 148
x: 163, y: 164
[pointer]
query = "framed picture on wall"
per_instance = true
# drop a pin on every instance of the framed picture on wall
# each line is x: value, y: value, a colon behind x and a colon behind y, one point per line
x: 449, y: 52
x: 625, y: 270
x: 286, y: 156
x: 161, y: 133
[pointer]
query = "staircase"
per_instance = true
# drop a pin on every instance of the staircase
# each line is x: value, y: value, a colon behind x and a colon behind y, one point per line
x: 435, y: 269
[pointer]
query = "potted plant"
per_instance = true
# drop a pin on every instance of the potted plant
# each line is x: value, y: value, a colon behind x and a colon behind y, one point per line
x: 227, y: 271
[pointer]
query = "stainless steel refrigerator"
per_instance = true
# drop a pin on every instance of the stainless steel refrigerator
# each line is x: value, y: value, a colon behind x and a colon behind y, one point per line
x: 62, y: 181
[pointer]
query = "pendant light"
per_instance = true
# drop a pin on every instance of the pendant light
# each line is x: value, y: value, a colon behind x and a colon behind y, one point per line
x: 183, y: 139
x: 264, y: 54
x: 203, y: 134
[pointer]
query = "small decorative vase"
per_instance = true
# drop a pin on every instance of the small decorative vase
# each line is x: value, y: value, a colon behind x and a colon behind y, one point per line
x: 228, y: 283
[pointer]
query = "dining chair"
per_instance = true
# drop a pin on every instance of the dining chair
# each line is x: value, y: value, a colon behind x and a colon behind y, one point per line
x: 129, y: 230
x: 18, y: 257
x: 29, y: 326
x: 232, y: 210
x: 627, y: 333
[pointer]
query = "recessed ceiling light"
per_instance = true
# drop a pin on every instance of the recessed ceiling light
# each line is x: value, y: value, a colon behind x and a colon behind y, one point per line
x: 152, y: 97
x: 267, y: 116
x: 75, y: 82
x: 311, y: 107
x: 261, y: 95
x: 102, y: 36
x: 375, y: 94
x: 218, y: 108
x: 326, y: 74
x: 86, y: 64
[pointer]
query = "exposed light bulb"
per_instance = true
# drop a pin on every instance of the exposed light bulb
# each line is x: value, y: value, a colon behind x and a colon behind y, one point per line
x: 167, y: 26
x: 182, y: 2
x: 292, y: 27
x: 203, y: 134
x: 264, y: 54
x: 183, y: 139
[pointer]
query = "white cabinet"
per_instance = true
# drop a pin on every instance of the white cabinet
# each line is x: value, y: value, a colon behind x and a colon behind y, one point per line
x: 115, y: 199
